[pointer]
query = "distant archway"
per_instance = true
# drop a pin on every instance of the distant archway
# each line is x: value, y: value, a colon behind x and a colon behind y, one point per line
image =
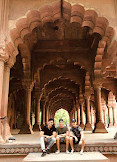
x: 62, y: 114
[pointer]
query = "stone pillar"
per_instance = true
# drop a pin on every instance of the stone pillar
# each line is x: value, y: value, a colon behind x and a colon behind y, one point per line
x: 109, y: 116
x: 88, y: 126
x: 74, y: 113
x: 105, y: 123
x: 99, y: 126
x: 1, y: 86
x: 47, y: 115
x: 78, y: 115
x: 43, y: 115
x: 82, y: 115
x: 36, y: 126
x: 4, y: 105
x: 114, y: 116
x: 27, y: 128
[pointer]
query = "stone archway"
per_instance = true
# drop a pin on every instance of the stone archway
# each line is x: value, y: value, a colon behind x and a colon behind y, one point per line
x: 37, y: 26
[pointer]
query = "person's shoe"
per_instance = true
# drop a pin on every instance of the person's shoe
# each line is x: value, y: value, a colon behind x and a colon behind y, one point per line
x: 48, y: 151
x: 81, y: 152
x: 67, y: 152
x: 72, y: 151
x: 43, y: 154
x: 58, y: 151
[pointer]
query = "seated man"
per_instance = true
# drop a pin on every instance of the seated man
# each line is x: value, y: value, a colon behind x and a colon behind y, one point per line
x: 47, y: 135
x: 62, y: 136
x: 76, y: 136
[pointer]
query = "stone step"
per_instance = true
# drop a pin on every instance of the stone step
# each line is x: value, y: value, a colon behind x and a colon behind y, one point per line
x: 63, y: 157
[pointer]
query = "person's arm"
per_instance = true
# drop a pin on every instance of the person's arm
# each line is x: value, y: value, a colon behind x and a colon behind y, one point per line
x: 42, y: 134
x: 53, y: 135
x: 71, y: 134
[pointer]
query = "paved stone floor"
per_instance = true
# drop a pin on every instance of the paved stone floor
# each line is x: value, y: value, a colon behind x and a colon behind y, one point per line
x: 26, y: 143
x: 90, y: 138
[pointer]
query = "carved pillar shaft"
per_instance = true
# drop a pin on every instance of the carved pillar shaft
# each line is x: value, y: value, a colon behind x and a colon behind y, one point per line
x: 88, y: 126
x: 114, y: 117
x: 44, y: 115
x: 5, y: 91
x: 47, y: 115
x: 104, y: 111
x: 37, y: 115
x: 1, y: 88
x: 109, y: 116
x: 99, y: 126
x: 78, y: 115
x: 82, y: 116
x: 27, y: 128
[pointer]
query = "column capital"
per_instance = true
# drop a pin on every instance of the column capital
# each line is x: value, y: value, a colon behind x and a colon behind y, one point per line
x: 3, y: 55
x: 87, y: 96
x: 10, y: 62
x: 97, y: 83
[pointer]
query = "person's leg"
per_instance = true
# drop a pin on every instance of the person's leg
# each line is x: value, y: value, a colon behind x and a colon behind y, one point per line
x: 67, y: 142
x: 42, y: 143
x: 83, y: 145
x: 51, y: 142
x: 71, y: 144
x: 58, y: 143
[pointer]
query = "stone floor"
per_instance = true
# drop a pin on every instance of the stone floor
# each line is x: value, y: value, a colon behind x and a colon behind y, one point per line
x: 90, y: 138
x: 63, y: 157
x: 94, y: 142
x: 26, y: 143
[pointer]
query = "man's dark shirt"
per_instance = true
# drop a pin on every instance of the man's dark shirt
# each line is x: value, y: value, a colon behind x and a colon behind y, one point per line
x: 76, y: 131
x: 48, y: 131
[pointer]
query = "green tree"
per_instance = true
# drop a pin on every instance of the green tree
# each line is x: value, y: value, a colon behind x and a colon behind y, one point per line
x: 61, y: 114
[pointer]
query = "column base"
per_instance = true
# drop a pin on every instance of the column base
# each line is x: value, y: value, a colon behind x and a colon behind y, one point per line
x: 115, y: 137
x: 88, y: 127
x: 100, y: 128
x: 1, y: 140
x: 26, y: 129
x: 110, y: 125
x: 114, y: 124
x: 36, y: 127
x: 82, y: 125
x: 7, y: 134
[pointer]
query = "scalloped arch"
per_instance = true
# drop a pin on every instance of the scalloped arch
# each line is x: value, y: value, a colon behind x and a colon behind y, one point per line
x: 52, y: 13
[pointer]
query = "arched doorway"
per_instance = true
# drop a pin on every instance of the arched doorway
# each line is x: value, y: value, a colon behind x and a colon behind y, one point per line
x: 62, y: 114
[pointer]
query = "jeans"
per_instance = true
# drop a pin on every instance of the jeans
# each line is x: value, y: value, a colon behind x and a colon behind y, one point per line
x: 50, y: 142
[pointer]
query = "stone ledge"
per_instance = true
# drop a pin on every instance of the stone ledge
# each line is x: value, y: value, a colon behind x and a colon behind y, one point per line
x: 33, y: 148
x: 63, y: 157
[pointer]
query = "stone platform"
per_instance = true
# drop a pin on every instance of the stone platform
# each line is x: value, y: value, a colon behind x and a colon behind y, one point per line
x: 63, y: 157
x: 29, y: 143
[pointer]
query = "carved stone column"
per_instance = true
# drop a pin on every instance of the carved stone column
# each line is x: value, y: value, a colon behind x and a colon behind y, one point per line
x: 27, y: 128
x: 5, y: 91
x: 36, y: 126
x: 78, y: 115
x: 3, y: 58
x: 110, y: 117
x: 114, y: 116
x: 88, y: 126
x: 47, y: 115
x: 105, y: 123
x: 82, y: 115
x: 99, y: 126
x: 74, y: 113
x: 43, y: 115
